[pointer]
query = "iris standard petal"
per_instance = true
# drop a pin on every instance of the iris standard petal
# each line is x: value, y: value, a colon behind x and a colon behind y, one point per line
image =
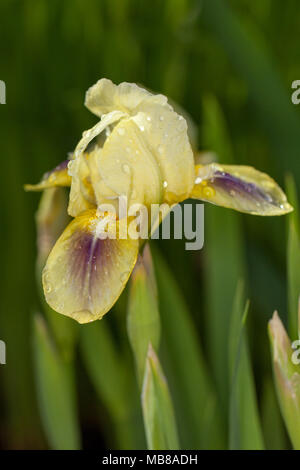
x: 57, y: 177
x: 84, y: 274
x: 90, y: 134
x: 241, y: 188
x: 165, y: 134
x: 105, y: 96
x: 126, y: 166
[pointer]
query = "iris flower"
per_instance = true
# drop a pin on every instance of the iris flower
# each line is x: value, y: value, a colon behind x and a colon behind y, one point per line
x: 140, y: 149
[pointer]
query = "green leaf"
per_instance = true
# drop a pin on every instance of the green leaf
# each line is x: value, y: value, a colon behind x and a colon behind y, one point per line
x: 143, y: 323
x: 199, y: 417
x: 223, y: 254
x: 110, y: 375
x: 272, y: 423
x: 270, y: 97
x: 56, y: 391
x: 244, y: 422
x: 293, y: 259
x: 159, y: 420
x: 287, y: 377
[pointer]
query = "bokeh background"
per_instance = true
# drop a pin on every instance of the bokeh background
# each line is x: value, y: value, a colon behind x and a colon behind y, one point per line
x: 230, y: 64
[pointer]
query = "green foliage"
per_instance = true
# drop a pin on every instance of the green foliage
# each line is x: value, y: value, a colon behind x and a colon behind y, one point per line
x: 230, y: 65
x: 244, y: 423
x: 159, y: 419
x: 144, y: 331
x: 293, y: 260
x: 56, y: 391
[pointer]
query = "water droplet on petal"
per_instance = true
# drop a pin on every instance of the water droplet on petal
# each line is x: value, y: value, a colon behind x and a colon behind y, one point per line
x: 121, y: 131
x: 165, y: 184
x: 48, y: 288
x: 126, y: 168
x: 148, y: 118
x: 142, y: 128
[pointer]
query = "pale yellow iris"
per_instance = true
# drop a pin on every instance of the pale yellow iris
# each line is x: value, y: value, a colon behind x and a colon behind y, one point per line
x: 139, y: 149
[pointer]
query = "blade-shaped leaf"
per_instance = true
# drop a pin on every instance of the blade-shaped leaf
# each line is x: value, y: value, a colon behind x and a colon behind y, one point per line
x: 113, y: 382
x: 159, y: 420
x: 199, y: 417
x: 244, y: 422
x: 293, y: 259
x: 287, y: 377
x: 56, y: 391
x: 143, y: 323
x: 223, y: 249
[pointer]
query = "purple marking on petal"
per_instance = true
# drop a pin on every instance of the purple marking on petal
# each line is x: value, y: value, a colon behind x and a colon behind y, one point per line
x: 228, y: 183
x: 60, y: 167
x: 89, y: 256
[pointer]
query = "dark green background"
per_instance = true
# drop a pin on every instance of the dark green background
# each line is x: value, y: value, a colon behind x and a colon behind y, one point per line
x: 243, y: 53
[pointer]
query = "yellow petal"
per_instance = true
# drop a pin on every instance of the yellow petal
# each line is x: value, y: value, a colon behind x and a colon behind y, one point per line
x: 125, y: 166
x: 242, y: 188
x: 151, y: 133
x: 105, y: 96
x: 90, y: 134
x: 57, y: 177
x: 165, y: 134
x: 82, y: 196
x: 84, y: 274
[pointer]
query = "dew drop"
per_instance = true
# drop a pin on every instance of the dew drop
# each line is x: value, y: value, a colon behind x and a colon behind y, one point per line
x: 121, y: 131
x: 48, y: 288
x: 148, y: 118
x: 142, y: 128
x: 165, y: 184
x: 126, y: 168
x: 198, y: 180
x: 208, y: 191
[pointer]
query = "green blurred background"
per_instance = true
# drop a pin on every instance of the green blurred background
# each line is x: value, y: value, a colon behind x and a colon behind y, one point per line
x: 230, y: 64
